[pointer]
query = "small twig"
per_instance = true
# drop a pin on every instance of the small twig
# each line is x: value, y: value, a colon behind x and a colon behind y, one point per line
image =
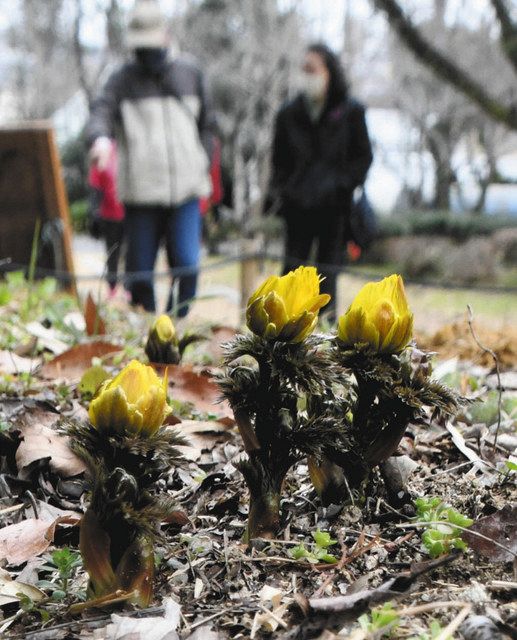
x: 502, y: 585
x: 200, y: 623
x: 7, y: 510
x: 470, y: 320
x: 431, y: 606
x: 34, y: 505
x: 273, y: 615
x: 455, y: 623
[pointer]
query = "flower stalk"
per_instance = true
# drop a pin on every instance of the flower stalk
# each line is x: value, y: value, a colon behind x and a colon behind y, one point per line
x: 289, y: 371
x: 127, y: 450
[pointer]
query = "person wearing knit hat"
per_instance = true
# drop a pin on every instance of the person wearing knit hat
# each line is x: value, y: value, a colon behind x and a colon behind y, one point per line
x: 156, y: 108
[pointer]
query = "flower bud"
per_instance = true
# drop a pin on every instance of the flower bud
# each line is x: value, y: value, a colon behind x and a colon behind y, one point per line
x: 286, y: 308
x: 379, y: 316
x: 162, y: 342
x: 134, y: 402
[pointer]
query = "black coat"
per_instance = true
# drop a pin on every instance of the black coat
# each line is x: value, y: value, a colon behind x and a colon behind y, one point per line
x: 318, y: 164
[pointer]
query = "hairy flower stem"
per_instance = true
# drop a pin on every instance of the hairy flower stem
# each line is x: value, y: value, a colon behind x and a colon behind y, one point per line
x: 264, y: 515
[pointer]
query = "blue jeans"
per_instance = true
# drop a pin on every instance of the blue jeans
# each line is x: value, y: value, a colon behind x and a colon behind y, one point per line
x: 145, y: 227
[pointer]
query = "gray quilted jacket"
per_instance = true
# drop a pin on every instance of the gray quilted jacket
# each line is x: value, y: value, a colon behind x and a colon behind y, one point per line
x: 159, y: 123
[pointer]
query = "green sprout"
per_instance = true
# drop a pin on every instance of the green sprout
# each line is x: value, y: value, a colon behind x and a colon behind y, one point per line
x: 381, y: 621
x: 62, y: 564
x: 435, y: 629
x: 319, y: 550
x: 444, y: 526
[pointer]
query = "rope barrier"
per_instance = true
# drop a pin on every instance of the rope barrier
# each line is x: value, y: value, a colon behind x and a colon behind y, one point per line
x: 177, y: 272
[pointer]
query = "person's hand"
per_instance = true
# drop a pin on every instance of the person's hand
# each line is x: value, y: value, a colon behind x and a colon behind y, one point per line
x: 100, y: 152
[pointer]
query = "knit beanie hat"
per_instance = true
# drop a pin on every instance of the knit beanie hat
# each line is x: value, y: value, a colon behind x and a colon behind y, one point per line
x: 147, y: 28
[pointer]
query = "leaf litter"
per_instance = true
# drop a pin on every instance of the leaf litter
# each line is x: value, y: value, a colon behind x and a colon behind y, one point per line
x: 208, y: 583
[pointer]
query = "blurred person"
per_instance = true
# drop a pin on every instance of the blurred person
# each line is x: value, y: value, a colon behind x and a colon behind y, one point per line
x: 109, y: 212
x: 321, y: 153
x: 209, y: 207
x: 155, y: 106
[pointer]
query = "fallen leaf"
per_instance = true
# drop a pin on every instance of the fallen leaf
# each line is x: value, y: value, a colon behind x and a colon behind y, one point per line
x: 94, y: 323
x: 10, y: 590
x: 198, y: 388
x: 21, y: 541
x: 40, y: 441
x: 73, y: 363
x: 46, y: 337
x: 11, y: 363
x: 149, y: 628
x: 202, y: 435
x: 501, y: 527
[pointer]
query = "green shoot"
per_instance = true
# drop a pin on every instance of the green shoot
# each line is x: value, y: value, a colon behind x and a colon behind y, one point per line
x: 381, y: 621
x: 318, y: 551
x: 435, y: 628
x: 440, y: 538
x: 62, y: 562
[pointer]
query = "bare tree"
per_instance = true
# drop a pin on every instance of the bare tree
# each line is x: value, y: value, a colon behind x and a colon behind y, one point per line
x: 500, y: 107
x: 248, y: 50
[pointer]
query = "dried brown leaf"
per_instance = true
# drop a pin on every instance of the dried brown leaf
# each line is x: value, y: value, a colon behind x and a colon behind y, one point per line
x: 199, y: 388
x: 40, y: 441
x: 21, y: 541
x: 71, y: 364
x: 501, y: 527
x: 94, y: 323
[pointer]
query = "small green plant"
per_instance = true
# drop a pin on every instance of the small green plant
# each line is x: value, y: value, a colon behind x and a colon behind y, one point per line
x: 62, y: 565
x: 27, y: 605
x: 319, y: 550
x: 511, y: 465
x: 381, y: 621
x: 443, y: 532
x: 435, y: 628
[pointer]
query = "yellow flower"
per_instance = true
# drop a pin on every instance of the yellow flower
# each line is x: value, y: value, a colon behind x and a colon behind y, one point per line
x: 135, y: 401
x: 162, y: 342
x: 164, y: 328
x: 379, y: 316
x: 286, y: 308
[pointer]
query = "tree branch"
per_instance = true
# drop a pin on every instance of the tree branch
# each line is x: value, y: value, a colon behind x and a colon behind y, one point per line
x: 508, y: 31
x: 444, y: 67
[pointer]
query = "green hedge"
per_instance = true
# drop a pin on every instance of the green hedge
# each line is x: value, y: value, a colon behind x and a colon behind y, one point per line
x: 459, y: 227
x: 79, y: 215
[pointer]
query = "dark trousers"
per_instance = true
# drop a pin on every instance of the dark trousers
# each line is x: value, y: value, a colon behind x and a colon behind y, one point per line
x: 326, y: 228
x: 113, y: 231
x: 146, y: 227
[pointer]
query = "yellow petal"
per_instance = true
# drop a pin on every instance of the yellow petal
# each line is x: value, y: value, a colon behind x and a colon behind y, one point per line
x: 110, y: 410
x: 299, y: 328
x: 267, y: 286
x: 164, y: 328
x: 275, y: 309
x: 383, y: 318
x: 256, y: 317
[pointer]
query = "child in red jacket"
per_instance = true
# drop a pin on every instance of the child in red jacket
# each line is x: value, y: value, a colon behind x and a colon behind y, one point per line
x: 103, y: 179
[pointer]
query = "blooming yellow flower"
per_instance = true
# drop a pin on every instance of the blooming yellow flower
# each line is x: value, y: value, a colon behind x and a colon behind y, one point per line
x: 286, y: 308
x: 379, y: 316
x: 135, y: 401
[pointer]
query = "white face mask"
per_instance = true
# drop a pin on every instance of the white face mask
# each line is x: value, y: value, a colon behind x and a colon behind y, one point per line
x: 313, y: 85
